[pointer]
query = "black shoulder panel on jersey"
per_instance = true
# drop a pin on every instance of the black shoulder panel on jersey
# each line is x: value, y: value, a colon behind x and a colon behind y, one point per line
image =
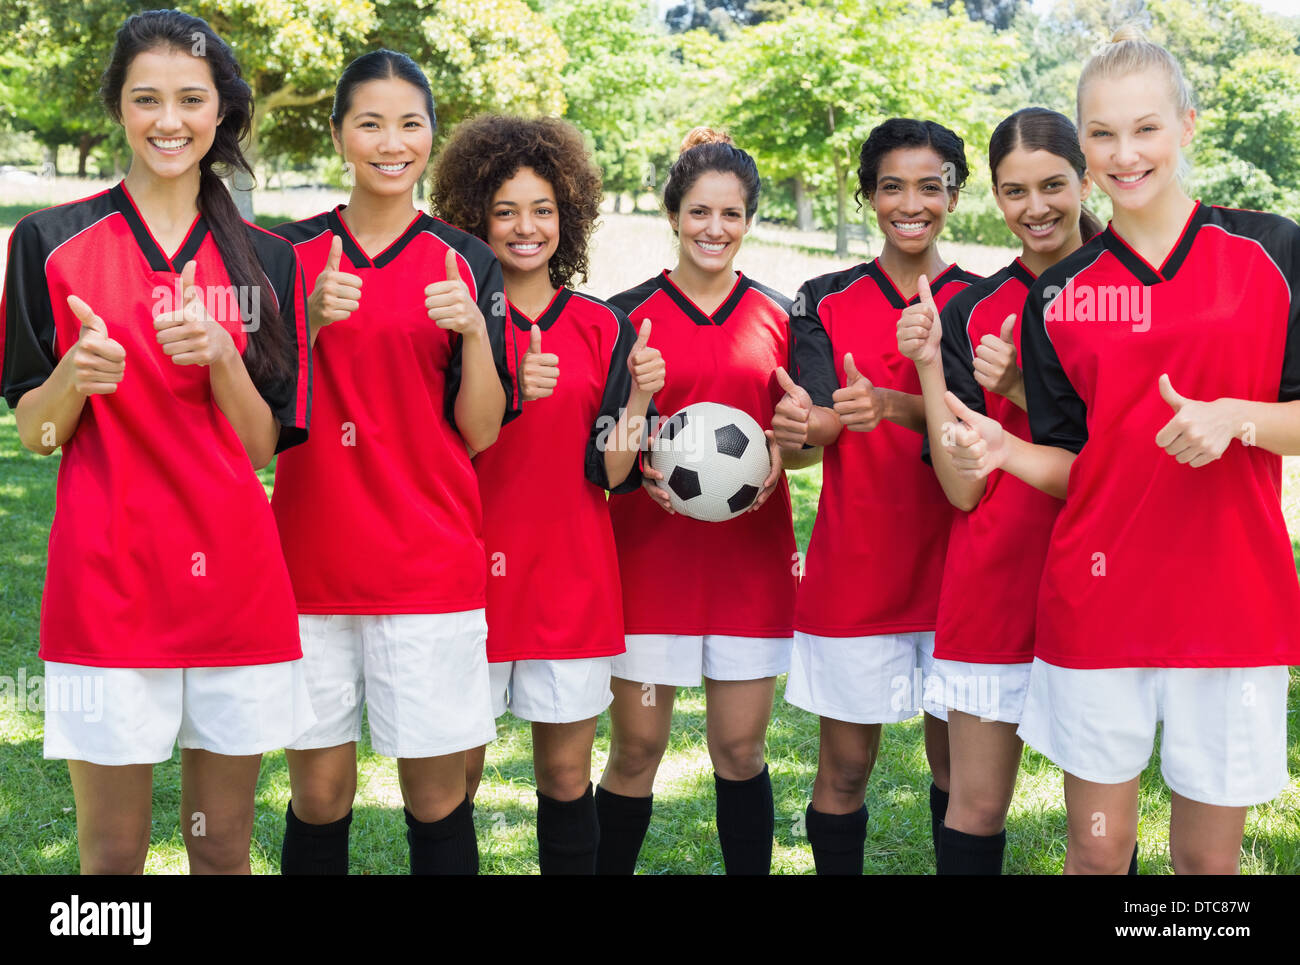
x: 787, y: 304
x: 955, y: 348
x: 296, y: 232
x: 813, y: 358
x: 1057, y: 415
x: 628, y: 301
x: 27, y: 340
x: 613, y: 402
x: 1279, y: 237
x: 490, y: 295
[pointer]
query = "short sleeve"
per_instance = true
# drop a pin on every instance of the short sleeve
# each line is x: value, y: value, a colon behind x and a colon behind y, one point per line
x: 27, y: 339
x: 289, y: 396
x: 495, y: 307
x: 613, y: 401
x: 813, y: 359
x: 1057, y: 415
x: 958, y: 356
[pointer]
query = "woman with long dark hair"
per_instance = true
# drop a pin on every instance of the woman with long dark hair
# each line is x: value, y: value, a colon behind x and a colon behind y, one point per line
x: 161, y: 342
x: 380, y: 516
x: 999, y: 536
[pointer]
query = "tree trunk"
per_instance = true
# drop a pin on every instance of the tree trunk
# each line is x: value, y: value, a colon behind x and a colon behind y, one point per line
x: 239, y: 183
x: 84, y: 147
x: 802, y: 204
x: 52, y: 161
x: 841, y: 211
x: 618, y: 201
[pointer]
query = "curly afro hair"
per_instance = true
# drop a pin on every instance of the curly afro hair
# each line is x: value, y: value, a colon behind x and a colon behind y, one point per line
x: 902, y: 132
x: 485, y: 152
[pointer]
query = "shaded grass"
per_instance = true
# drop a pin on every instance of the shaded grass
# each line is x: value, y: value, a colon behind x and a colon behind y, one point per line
x: 37, y: 825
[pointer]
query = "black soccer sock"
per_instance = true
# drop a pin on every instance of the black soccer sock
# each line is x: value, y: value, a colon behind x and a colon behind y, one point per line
x: 970, y: 854
x: 567, y: 834
x: 444, y: 847
x: 314, y: 849
x: 837, y: 840
x: 623, y: 823
x: 938, y: 808
x: 746, y: 820
x: 1133, y: 861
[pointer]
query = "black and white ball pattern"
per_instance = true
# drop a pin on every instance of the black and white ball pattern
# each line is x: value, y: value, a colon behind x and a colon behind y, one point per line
x: 714, y: 460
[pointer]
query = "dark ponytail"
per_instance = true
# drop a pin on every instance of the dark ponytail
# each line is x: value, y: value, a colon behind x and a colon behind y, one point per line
x: 1038, y: 129
x: 264, y: 355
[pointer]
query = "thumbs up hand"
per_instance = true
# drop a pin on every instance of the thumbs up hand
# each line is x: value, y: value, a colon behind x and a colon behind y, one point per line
x: 976, y: 443
x: 99, y: 363
x: 919, y: 331
x: 337, y: 293
x: 1199, y: 432
x: 995, y: 361
x: 540, y: 372
x: 646, y: 364
x: 858, y: 404
x: 790, y: 418
x: 450, y: 305
x: 190, y: 336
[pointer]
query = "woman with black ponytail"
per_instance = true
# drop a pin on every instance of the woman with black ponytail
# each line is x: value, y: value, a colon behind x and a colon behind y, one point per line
x: 168, y: 611
x: 380, y: 517
x: 999, y: 537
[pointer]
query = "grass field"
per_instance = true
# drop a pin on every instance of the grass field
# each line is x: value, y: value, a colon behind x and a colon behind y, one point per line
x: 37, y: 825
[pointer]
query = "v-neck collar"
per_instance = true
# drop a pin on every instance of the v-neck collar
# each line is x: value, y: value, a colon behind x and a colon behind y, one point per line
x: 1022, y: 272
x: 890, y: 290
x: 357, y: 255
x: 148, y: 244
x: 693, y: 311
x: 1143, y: 269
x: 549, y: 316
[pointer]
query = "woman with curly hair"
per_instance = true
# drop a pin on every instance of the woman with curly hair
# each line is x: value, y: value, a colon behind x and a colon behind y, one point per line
x: 529, y: 189
x: 380, y: 519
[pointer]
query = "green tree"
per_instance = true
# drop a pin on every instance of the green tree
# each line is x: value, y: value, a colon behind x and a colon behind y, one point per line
x: 617, y: 73
x: 809, y: 89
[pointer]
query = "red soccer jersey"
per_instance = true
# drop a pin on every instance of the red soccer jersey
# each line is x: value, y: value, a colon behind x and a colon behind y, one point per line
x: 553, y: 588
x: 380, y: 511
x: 1153, y: 563
x: 996, y: 551
x: 163, y: 551
x: 681, y: 575
x: 875, y: 559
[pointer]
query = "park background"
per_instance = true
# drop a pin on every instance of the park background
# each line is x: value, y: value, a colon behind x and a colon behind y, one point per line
x: 798, y: 84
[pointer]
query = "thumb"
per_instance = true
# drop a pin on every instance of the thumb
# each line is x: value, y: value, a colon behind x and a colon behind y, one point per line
x: 86, y: 315
x: 959, y: 408
x: 1008, y: 333
x: 1167, y: 393
x: 188, y: 288
x: 336, y: 254
x: 453, y: 269
x: 851, y: 373
x: 783, y: 379
x: 927, y: 298
x: 534, y: 341
x: 642, y: 337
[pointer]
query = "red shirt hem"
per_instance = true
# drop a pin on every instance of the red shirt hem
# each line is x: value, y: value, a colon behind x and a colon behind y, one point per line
x: 377, y: 609
x: 696, y: 631
x: 869, y: 630
x: 191, y: 661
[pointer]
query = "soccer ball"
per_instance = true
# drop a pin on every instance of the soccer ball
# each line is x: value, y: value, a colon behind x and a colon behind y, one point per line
x: 714, y: 460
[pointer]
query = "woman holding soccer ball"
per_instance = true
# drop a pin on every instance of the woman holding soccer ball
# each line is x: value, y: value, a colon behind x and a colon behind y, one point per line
x: 703, y: 601
x: 555, y: 619
x: 864, y: 623
x: 1151, y: 474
